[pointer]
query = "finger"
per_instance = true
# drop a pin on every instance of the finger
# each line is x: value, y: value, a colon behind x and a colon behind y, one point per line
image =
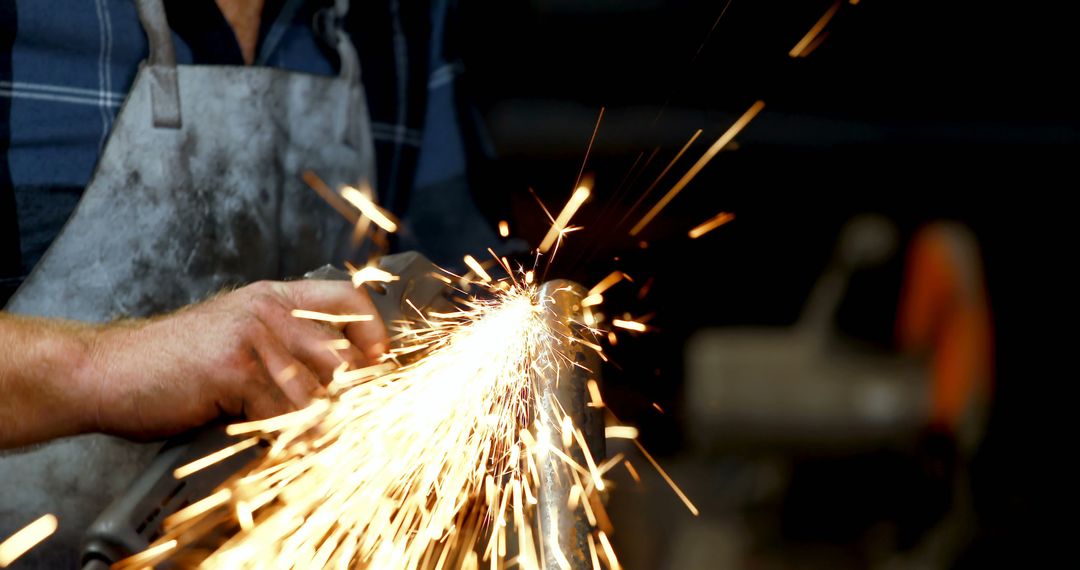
x: 340, y: 297
x: 266, y: 402
x: 371, y: 341
x: 296, y: 381
x: 316, y: 345
x: 262, y: 398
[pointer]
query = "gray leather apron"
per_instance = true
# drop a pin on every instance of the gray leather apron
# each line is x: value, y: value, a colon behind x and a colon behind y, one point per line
x: 198, y: 188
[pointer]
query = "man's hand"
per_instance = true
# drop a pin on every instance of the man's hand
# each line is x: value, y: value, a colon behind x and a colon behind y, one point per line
x: 239, y: 354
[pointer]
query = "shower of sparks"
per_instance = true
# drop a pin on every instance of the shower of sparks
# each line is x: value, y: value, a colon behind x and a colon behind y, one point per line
x: 803, y: 48
x: 713, y: 150
x: 30, y: 536
x: 711, y: 224
x: 504, y: 229
x: 429, y: 459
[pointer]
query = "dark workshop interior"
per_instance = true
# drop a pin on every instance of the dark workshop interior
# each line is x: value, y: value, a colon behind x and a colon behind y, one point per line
x: 957, y: 113
x: 831, y: 235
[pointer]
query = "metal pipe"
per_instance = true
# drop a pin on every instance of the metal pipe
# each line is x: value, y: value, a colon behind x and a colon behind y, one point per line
x: 565, y: 384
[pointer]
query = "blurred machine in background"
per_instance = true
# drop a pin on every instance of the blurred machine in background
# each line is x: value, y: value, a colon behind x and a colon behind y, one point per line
x: 763, y: 399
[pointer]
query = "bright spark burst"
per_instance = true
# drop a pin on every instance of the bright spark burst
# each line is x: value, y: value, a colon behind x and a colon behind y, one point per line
x: 431, y: 458
x: 430, y: 462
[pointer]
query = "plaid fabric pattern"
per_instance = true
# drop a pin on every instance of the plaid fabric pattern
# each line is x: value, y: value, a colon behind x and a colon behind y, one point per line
x: 66, y: 66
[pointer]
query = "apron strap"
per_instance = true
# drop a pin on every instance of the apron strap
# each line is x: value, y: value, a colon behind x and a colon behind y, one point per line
x: 161, y: 65
x: 330, y: 24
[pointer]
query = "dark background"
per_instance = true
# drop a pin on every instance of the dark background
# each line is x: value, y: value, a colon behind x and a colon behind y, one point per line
x: 963, y: 111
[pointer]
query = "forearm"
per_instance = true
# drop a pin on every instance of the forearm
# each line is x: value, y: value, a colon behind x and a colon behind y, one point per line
x: 242, y: 353
x: 46, y: 390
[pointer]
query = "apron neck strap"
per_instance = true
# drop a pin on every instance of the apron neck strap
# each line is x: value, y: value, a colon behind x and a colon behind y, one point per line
x: 164, y: 85
x: 158, y: 32
x: 330, y: 24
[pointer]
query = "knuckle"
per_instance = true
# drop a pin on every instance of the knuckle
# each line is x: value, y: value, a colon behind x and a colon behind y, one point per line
x: 240, y: 359
x: 246, y: 329
x: 260, y: 287
x: 265, y: 303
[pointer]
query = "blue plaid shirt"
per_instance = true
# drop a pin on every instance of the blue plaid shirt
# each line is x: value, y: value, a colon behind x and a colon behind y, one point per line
x: 66, y: 66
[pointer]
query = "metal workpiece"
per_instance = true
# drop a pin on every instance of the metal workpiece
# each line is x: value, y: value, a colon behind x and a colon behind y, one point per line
x: 563, y: 386
x: 415, y: 289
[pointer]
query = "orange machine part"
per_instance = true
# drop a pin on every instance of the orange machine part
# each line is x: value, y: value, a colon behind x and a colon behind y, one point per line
x: 944, y: 312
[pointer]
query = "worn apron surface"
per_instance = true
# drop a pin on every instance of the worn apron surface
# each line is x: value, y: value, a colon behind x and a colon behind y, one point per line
x: 198, y: 188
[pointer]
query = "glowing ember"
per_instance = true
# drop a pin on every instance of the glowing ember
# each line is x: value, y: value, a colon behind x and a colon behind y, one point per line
x: 153, y: 553
x: 711, y: 224
x: 368, y: 208
x: 327, y: 317
x: 477, y: 268
x: 594, y: 394
x: 17, y: 544
x: 371, y: 274
x: 568, y: 211
x: 591, y: 300
x: 803, y: 48
x: 620, y: 432
x: 213, y: 458
x: 628, y: 325
x: 606, y: 283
